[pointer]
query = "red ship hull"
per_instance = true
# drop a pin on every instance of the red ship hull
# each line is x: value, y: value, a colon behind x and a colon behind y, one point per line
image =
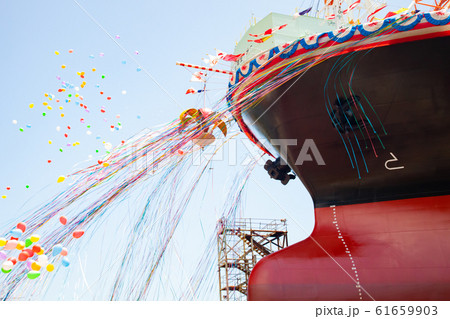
x: 390, y: 250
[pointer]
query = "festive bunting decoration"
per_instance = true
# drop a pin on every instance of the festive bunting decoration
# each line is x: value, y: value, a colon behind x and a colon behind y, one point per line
x: 394, y: 13
x: 229, y: 57
x: 261, y: 40
x: 268, y: 32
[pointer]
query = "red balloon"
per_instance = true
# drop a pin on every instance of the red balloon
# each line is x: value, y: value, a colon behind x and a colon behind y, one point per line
x: 23, y: 256
x: 63, y: 220
x: 78, y: 233
x: 37, y: 248
x: 22, y: 226
x: 13, y: 260
x: 29, y: 252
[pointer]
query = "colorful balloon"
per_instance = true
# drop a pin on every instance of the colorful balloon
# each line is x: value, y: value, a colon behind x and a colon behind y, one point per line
x: 37, y: 248
x: 78, y: 233
x: 16, y: 232
x: 61, y: 179
x: 63, y: 220
x: 2, y: 255
x: 22, y: 226
x: 7, y: 265
x: 64, y: 252
x: 50, y: 267
x: 65, y: 262
x: 20, y: 245
x: 11, y: 244
x: 33, y: 274
x: 35, y: 238
x: 42, y: 260
x: 29, y: 251
x: 13, y: 260
x: 3, y: 242
x: 57, y: 249
x: 35, y: 266
x: 23, y: 256
x: 28, y: 242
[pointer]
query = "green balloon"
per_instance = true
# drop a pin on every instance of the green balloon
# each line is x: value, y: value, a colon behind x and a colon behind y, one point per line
x: 5, y: 271
x: 33, y: 274
x: 28, y: 242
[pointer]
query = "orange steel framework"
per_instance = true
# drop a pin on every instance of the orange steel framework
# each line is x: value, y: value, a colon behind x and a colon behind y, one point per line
x: 241, y: 244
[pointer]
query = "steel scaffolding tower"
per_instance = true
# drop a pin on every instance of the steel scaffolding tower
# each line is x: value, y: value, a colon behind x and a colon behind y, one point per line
x: 241, y: 244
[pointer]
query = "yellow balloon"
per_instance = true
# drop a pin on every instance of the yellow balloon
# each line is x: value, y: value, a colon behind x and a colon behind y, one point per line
x: 61, y: 179
x: 40, y: 252
x: 35, y: 266
x: 31, y: 105
x: 20, y: 245
x: 35, y: 238
x: 50, y: 267
x: 2, y: 242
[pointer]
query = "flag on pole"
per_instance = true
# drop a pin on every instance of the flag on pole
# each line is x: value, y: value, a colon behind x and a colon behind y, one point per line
x: 301, y: 13
x: 220, y: 54
x: 212, y: 61
x: 229, y: 57
x: 351, y: 7
x: 370, y: 17
x: 193, y: 91
x: 198, y: 77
